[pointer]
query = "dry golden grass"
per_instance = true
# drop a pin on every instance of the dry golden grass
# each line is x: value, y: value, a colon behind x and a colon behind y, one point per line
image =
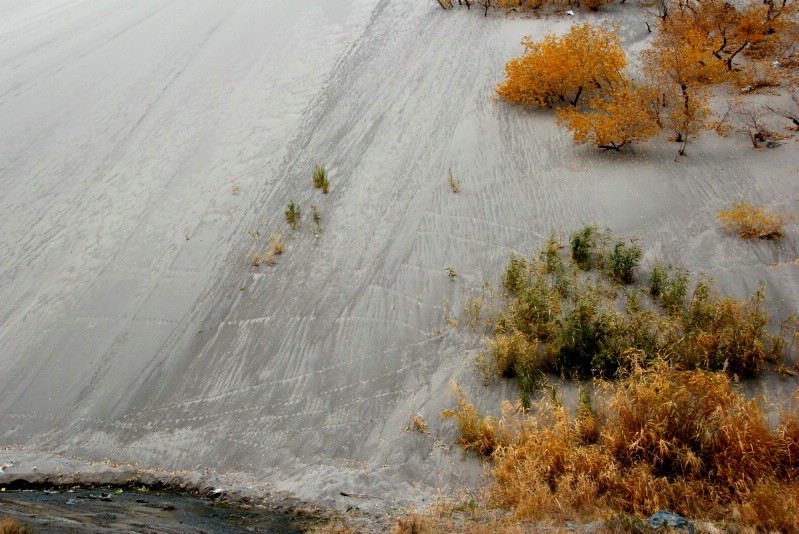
x: 266, y: 257
x: 9, y: 525
x: 254, y: 258
x: 749, y: 220
x: 277, y: 244
x: 334, y: 526
x: 417, y: 523
x: 468, y: 515
x: 417, y: 424
x: 661, y: 438
x: 482, y: 434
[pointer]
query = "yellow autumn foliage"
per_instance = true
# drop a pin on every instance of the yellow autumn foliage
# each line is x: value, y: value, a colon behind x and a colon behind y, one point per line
x: 686, y: 111
x: 749, y: 220
x: 615, y: 121
x: 585, y: 61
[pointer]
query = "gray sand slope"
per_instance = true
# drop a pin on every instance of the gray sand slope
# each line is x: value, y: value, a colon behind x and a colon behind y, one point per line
x: 132, y: 325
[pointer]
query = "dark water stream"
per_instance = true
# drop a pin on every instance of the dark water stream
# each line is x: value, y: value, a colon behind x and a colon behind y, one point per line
x: 111, y: 510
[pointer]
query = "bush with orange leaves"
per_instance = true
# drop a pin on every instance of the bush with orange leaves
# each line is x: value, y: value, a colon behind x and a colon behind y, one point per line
x: 624, y: 116
x: 749, y: 220
x: 662, y: 438
x: 585, y: 61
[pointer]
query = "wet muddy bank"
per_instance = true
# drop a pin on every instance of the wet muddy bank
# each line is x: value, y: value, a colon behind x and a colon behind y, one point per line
x: 52, y: 493
x: 56, y: 493
x: 117, y: 509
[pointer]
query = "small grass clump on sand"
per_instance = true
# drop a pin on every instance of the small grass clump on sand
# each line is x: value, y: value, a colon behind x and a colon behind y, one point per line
x: 661, y: 437
x: 749, y: 220
x: 257, y: 259
x: 278, y: 246
x: 317, y: 219
x: 417, y: 424
x: 557, y: 317
x: 454, y: 185
x: 293, y: 214
x: 320, y: 180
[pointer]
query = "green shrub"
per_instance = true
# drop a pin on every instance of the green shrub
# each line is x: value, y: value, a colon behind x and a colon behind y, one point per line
x: 622, y: 261
x: 535, y: 310
x: 574, y: 323
x: 673, y: 296
x: 583, y: 244
x: 657, y: 280
x: 590, y: 338
x: 723, y: 333
x: 317, y: 219
x: 515, y: 274
x: 550, y: 255
x: 669, y: 287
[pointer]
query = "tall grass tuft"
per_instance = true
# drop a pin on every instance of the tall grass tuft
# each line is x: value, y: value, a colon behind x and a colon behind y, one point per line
x: 293, y: 214
x: 320, y: 180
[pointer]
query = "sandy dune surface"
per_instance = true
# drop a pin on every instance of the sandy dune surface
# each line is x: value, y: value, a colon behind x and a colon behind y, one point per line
x: 132, y: 324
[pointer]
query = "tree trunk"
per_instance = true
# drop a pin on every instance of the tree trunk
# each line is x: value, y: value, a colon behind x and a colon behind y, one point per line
x: 681, y: 152
x: 732, y: 56
x: 577, y: 96
x: 612, y: 146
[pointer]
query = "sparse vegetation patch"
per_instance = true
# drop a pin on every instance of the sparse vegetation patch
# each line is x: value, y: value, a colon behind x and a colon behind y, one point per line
x: 567, y: 318
x: 660, y: 423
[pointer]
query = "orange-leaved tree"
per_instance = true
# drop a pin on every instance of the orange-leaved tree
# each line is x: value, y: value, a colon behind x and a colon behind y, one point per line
x: 686, y: 112
x: 680, y: 64
x: 722, y: 30
x: 773, y: 27
x: 626, y: 115
x: 727, y: 29
x: 586, y: 60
